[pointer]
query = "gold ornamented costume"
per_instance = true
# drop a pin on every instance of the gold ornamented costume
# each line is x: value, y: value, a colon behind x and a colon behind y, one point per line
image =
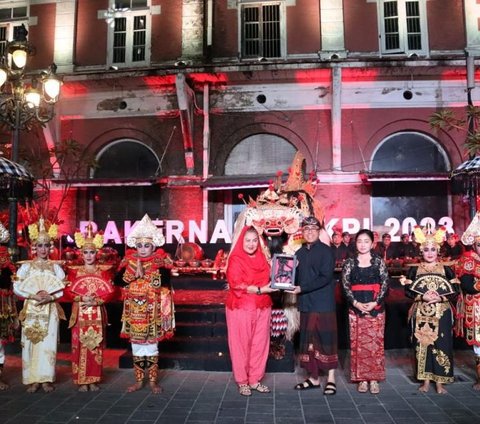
x: 40, y: 320
x: 148, y: 311
x: 8, y: 309
x: 432, y: 323
x: 90, y: 288
x: 468, y: 305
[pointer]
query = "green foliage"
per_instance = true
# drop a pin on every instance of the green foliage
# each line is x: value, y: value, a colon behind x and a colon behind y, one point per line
x: 446, y: 119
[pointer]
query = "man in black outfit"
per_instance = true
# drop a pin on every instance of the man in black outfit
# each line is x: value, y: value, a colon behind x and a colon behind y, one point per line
x: 316, y: 303
x: 340, y: 250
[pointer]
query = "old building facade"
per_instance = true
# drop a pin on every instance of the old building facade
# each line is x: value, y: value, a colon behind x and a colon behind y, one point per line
x: 184, y: 104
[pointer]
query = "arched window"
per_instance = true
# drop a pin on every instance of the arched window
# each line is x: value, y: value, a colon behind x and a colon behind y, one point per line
x: 260, y: 154
x: 409, y: 152
x: 134, y: 166
x: 411, y: 183
x: 126, y: 159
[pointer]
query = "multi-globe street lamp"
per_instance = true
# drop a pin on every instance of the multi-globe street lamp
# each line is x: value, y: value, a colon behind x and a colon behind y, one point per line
x: 25, y: 100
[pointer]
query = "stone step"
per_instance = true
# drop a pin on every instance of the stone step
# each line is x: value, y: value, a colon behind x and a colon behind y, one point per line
x: 195, y: 344
x: 200, y: 329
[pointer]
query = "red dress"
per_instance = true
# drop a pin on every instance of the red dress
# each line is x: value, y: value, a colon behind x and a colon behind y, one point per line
x: 88, y: 323
x: 8, y: 309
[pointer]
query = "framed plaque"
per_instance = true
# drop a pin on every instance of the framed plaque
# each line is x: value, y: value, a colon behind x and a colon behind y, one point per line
x: 283, y: 272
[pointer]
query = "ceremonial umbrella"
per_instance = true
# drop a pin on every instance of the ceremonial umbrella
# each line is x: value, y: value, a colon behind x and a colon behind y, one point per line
x: 15, y: 180
x: 467, y: 175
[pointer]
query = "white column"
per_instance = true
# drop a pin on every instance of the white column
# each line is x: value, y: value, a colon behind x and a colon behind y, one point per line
x: 336, y: 118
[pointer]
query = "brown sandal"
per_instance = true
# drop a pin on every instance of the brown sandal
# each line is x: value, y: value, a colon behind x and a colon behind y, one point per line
x: 244, y: 390
x: 259, y: 387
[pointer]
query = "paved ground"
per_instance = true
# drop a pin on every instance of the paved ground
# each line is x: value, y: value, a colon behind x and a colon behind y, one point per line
x: 210, y: 397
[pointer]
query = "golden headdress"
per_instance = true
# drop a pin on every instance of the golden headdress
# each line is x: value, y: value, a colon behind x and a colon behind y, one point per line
x: 426, y: 235
x: 147, y: 231
x: 4, y: 234
x: 472, y: 233
x: 89, y: 240
x: 38, y: 232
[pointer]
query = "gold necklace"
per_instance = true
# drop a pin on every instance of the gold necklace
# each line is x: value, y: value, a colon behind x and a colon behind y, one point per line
x: 429, y: 266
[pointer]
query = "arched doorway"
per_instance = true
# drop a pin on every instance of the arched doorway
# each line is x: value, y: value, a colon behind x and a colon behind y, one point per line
x: 126, y: 172
x: 414, y: 186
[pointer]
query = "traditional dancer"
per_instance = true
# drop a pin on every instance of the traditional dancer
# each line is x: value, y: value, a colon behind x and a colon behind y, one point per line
x: 468, y: 307
x: 8, y: 310
x: 40, y: 282
x: 433, y: 287
x: 148, y: 311
x: 90, y: 287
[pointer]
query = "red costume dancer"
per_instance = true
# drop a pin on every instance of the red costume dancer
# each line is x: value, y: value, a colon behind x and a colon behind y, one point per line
x: 468, y: 307
x: 148, y: 311
x: 8, y: 310
x: 90, y: 287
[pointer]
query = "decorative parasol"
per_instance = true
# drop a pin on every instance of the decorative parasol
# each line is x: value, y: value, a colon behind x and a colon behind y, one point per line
x: 15, y: 179
x: 468, y: 168
x: 466, y: 179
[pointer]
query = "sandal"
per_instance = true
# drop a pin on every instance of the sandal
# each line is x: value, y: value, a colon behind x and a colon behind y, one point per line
x: 306, y: 385
x: 259, y: 387
x: 244, y: 390
x: 363, y: 387
x: 330, y: 389
x: 33, y: 388
x: 374, y: 387
x: 48, y: 387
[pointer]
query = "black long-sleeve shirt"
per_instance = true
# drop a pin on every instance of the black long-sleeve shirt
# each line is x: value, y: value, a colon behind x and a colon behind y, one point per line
x: 315, y: 277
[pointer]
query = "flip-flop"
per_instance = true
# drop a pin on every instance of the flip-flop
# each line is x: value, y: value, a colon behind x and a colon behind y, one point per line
x: 306, y: 385
x: 330, y: 389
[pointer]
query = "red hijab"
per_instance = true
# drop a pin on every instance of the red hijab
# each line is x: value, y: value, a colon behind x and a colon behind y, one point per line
x: 247, y: 269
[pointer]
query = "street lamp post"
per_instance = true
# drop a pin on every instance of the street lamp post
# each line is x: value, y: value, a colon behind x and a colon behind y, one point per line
x: 22, y: 105
x: 472, y: 183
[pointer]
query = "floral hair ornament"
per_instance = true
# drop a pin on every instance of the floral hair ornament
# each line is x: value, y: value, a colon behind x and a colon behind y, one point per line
x: 4, y: 234
x: 426, y: 235
x: 89, y: 240
x: 472, y: 232
x: 146, y: 231
x: 38, y: 233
